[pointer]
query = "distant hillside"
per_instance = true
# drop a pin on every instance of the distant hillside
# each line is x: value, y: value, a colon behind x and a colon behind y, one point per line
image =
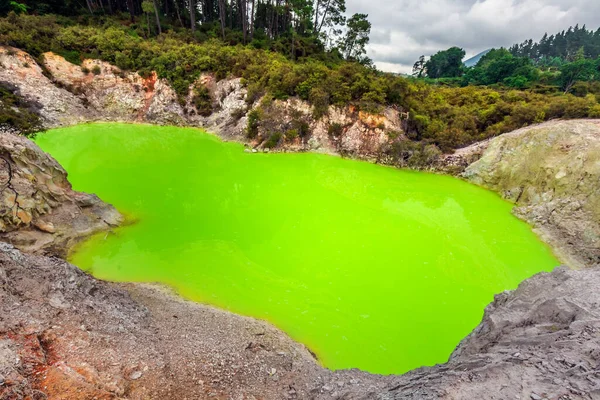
x: 471, y: 62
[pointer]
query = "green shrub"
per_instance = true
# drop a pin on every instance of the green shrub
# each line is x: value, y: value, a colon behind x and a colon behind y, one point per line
x: 202, y: 100
x: 441, y: 112
x: 273, y: 140
x: 303, y: 129
x: 18, y: 113
x: 335, y: 130
x: 319, y: 99
x: 254, y: 117
x: 291, y: 134
x: 96, y: 70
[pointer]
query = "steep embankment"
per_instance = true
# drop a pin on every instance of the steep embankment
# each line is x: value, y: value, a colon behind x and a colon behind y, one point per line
x: 66, y: 95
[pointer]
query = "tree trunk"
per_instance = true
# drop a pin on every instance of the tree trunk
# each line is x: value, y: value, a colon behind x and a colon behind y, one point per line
x: 317, y: 5
x: 131, y: 10
x: 243, y: 19
x: 324, y: 16
x: 89, y: 6
x: 222, y: 16
x: 252, y: 21
x: 193, y: 15
x: 177, y: 12
x: 272, y: 22
x: 276, y: 31
x: 148, y: 23
x: 157, y: 18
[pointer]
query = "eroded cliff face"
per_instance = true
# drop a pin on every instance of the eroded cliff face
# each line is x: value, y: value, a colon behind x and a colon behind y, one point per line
x: 67, y: 95
x: 552, y: 173
x: 40, y: 212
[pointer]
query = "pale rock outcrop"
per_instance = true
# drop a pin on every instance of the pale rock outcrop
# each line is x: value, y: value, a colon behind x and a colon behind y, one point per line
x: 57, y: 106
x: 116, y: 94
x: 39, y: 211
x: 228, y: 119
x: 551, y: 172
x: 361, y: 135
x: 97, y: 90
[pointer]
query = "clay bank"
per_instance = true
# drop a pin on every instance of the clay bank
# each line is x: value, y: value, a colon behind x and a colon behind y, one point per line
x: 67, y: 335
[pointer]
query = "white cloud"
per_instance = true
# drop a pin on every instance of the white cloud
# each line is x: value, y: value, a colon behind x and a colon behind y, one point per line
x: 405, y: 29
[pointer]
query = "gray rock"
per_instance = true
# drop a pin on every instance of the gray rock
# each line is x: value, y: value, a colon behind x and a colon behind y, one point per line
x: 551, y: 171
x: 135, y: 375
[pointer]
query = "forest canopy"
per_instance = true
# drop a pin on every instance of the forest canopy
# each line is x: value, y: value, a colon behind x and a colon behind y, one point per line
x: 556, y: 62
x: 307, y: 49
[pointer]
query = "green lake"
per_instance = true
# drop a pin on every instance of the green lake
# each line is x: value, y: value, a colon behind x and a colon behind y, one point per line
x: 371, y: 267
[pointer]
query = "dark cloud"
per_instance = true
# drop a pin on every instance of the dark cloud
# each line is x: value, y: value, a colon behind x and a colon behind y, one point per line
x: 380, y: 36
x: 405, y: 29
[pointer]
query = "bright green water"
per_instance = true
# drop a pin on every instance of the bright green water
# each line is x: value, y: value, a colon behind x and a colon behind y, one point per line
x: 371, y: 267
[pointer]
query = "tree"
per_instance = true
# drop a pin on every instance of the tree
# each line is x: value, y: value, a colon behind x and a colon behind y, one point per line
x: 148, y: 8
x: 193, y: 15
x: 419, y: 67
x: 156, y: 15
x: 580, y: 70
x: 500, y: 66
x: 328, y: 13
x: 353, y: 44
x: 18, y: 8
x: 222, y: 16
x: 446, y: 64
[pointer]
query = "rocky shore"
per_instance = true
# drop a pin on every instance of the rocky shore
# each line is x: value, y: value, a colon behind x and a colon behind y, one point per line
x: 66, y: 335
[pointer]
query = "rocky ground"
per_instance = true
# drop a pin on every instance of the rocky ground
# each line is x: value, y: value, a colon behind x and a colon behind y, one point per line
x: 65, y: 335
x: 551, y: 172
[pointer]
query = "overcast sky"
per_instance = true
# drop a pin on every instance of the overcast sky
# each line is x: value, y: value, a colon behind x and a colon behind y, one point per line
x: 402, y: 30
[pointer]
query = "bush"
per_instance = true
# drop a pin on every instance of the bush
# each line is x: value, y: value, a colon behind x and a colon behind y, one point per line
x: 254, y: 117
x: 291, y: 134
x: 96, y: 70
x: 202, y: 100
x: 273, y: 140
x: 405, y: 153
x: 335, y: 130
x: 441, y: 113
x: 319, y: 99
x: 18, y: 113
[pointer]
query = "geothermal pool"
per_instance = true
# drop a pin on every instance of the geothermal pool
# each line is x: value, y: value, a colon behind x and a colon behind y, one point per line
x: 371, y: 267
